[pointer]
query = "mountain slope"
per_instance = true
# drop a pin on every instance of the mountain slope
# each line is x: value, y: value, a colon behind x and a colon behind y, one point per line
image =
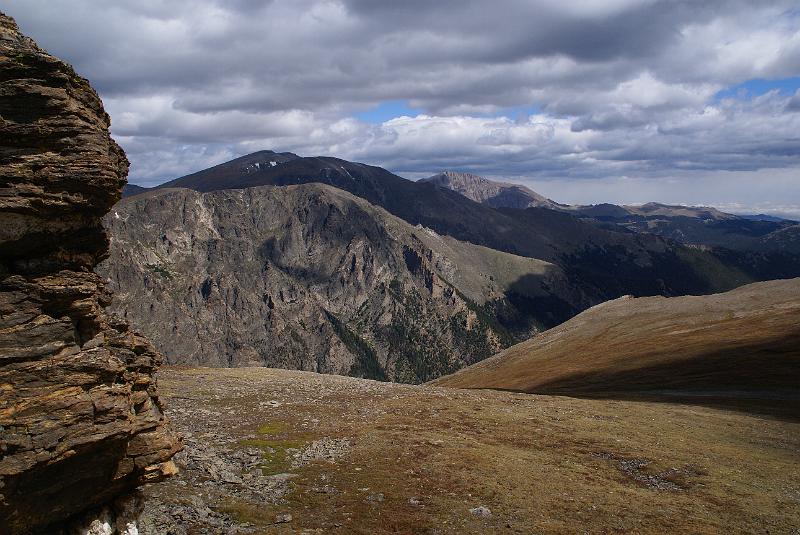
x: 651, y: 265
x: 310, y: 277
x: 741, y: 344
x: 786, y: 239
x: 490, y: 192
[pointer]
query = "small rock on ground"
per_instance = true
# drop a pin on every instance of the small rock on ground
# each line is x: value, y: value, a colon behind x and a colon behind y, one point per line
x: 481, y: 511
x: 283, y: 518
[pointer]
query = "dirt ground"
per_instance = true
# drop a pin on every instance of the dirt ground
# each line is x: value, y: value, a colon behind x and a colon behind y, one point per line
x: 277, y: 451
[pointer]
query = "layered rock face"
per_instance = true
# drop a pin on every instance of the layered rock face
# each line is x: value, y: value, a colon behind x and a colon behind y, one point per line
x: 80, y: 417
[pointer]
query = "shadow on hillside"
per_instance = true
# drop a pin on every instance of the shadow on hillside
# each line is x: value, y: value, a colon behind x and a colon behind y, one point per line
x: 761, y: 378
x: 533, y: 303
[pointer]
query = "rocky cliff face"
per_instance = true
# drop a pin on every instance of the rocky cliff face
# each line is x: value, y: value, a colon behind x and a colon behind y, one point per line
x: 80, y: 417
x: 311, y: 277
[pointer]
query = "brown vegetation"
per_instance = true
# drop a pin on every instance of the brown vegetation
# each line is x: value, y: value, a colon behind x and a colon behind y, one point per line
x: 740, y: 348
x: 421, y: 457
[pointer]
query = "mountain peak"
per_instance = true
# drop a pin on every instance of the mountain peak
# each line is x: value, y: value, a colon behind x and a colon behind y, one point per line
x: 457, y: 177
x: 494, y: 193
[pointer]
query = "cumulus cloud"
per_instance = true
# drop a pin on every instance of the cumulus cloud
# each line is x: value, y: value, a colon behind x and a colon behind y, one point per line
x: 620, y: 88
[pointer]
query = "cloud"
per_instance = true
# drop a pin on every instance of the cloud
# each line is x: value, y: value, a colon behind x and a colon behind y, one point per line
x: 794, y: 102
x: 620, y: 87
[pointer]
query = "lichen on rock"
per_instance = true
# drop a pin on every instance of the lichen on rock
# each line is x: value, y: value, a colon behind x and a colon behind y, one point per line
x: 80, y: 418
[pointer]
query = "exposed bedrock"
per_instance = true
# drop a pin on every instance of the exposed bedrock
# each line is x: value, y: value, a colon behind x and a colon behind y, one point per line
x: 80, y: 418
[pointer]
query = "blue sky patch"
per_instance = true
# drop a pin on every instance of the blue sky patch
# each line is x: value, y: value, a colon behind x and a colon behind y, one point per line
x: 386, y: 111
x: 517, y: 112
x: 758, y: 86
x: 391, y: 109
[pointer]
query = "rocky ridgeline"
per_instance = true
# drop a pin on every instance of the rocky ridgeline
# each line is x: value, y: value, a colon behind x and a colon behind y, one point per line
x: 80, y: 418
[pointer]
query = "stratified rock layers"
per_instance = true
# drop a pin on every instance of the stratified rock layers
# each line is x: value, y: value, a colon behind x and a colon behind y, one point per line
x: 80, y: 418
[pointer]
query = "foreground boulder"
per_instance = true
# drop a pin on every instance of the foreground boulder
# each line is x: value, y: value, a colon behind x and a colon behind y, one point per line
x: 80, y: 418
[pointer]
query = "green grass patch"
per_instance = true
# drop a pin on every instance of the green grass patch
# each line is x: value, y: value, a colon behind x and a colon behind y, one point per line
x: 272, y: 428
x: 274, y: 445
x: 275, y: 454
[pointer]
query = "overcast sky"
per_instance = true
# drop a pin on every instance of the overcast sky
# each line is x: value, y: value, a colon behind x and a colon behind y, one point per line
x: 694, y: 102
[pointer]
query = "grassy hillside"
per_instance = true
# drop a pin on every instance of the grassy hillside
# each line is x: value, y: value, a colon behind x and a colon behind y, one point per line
x: 741, y: 347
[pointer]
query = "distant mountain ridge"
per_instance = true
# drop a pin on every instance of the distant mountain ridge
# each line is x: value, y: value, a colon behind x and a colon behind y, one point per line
x: 691, y: 225
x: 495, y: 194
x: 508, y: 195
x: 676, y: 210
x: 576, y: 241
x: 427, y: 202
x: 767, y: 217
x: 592, y: 252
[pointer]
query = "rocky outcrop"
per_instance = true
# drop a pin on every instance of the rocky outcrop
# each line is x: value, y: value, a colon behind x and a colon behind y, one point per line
x: 80, y: 418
